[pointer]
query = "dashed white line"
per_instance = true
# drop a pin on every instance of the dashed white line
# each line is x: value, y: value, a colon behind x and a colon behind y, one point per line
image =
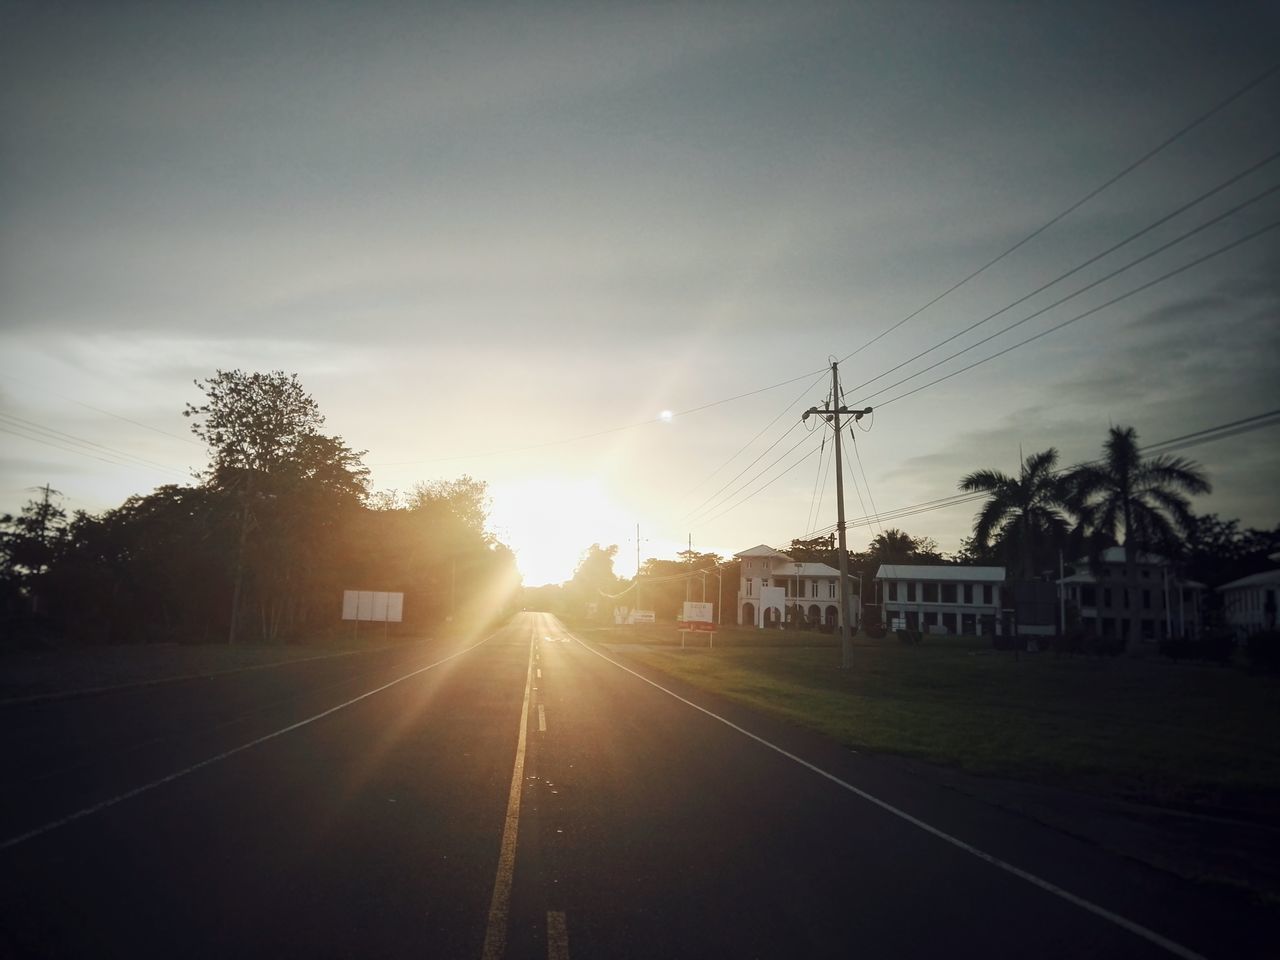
x: 557, y: 936
x: 539, y: 673
x: 1124, y: 923
x: 495, y: 936
x: 542, y: 719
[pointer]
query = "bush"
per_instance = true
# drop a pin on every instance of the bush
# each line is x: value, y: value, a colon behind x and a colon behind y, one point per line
x: 910, y: 637
x: 1263, y: 650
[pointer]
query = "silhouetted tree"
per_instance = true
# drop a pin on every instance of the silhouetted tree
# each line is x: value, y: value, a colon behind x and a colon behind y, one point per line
x: 1143, y: 499
x: 1027, y: 509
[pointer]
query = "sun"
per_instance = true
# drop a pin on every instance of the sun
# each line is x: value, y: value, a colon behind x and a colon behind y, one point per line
x: 549, y: 522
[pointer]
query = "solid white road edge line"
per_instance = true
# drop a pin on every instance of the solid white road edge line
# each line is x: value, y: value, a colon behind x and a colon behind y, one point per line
x: 1138, y: 929
x: 129, y: 794
x: 495, y: 935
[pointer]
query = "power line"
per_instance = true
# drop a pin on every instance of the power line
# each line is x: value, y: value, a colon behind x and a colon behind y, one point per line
x: 1220, y: 105
x: 699, y: 517
x: 818, y: 475
x: 762, y: 432
x: 762, y: 488
x: 1092, y: 260
x: 1058, y: 326
x: 31, y: 430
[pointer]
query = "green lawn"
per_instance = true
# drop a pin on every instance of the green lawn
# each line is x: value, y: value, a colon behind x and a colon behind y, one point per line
x: 1143, y: 728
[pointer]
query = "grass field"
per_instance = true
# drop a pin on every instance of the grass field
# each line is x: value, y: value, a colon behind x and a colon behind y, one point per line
x: 1142, y: 728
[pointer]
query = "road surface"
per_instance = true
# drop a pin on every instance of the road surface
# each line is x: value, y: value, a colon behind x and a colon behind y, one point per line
x: 529, y: 795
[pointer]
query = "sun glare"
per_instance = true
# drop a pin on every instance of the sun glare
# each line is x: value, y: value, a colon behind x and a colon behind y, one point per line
x: 551, y: 522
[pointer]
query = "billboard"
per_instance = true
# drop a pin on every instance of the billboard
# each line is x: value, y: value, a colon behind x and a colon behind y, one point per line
x: 374, y: 605
x: 698, y: 616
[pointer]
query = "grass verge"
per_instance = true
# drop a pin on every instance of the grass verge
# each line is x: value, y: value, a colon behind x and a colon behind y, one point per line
x: 1172, y: 733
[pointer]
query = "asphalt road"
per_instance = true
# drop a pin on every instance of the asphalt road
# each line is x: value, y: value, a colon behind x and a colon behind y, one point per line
x: 528, y: 795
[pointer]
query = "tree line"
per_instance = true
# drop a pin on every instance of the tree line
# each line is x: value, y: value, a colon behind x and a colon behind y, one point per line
x: 260, y: 547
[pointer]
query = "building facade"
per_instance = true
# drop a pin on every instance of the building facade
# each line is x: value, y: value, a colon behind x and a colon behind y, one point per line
x: 933, y: 599
x: 775, y: 590
x: 1171, y: 607
x: 1249, y: 604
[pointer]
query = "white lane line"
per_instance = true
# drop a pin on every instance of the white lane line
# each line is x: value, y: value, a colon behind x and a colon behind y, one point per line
x: 129, y: 794
x: 542, y: 719
x: 539, y: 673
x: 495, y: 935
x: 557, y: 936
x: 1146, y: 933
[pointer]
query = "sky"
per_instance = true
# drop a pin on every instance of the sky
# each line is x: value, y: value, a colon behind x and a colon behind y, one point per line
x: 503, y: 240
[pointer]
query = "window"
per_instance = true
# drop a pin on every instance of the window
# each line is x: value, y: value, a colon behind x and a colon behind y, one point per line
x: 893, y: 590
x: 1146, y: 599
x: 986, y: 593
x: 949, y: 596
x: 968, y: 593
x: 1106, y: 596
x: 1088, y: 595
x: 1146, y: 574
x: 751, y: 586
x: 949, y: 621
x: 911, y: 593
x: 931, y: 619
x: 930, y: 593
x: 831, y: 589
x: 764, y: 582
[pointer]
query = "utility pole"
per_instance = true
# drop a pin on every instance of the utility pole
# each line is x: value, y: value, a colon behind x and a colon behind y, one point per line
x: 832, y: 416
x: 688, y: 581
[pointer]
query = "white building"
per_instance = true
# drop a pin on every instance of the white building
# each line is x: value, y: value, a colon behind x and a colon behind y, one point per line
x: 1250, y: 602
x: 1170, y: 606
x: 774, y: 589
x: 957, y: 600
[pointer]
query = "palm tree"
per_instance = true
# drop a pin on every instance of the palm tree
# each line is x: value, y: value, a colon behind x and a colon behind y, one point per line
x: 1023, y: 509
x: 892, y: 546
x: 1146, y: 499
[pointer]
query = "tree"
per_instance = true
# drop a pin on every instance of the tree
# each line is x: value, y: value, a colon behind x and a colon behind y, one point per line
x: 465, y: 499
x: 897, y: 546
x: 28, y: 544
x: 1146, y: 499
x: 253, y: 421
x: 594, y: 579
x: 1027, y: 509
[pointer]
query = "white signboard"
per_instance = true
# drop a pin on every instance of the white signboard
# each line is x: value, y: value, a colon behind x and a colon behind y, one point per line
x: 372, y: 605
x: 641, y: 616
x: 695, y: 612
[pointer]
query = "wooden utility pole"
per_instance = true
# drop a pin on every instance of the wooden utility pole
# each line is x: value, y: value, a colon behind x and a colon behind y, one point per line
x: 832, y: 416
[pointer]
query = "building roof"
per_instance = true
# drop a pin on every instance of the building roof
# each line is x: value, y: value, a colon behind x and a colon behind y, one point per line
x: 1267, y: 577
x: 761, y: 550
x: 812, y: 570
x: 921, y: 571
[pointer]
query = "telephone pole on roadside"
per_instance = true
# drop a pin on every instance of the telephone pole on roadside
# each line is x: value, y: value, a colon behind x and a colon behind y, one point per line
x: 832, y: 416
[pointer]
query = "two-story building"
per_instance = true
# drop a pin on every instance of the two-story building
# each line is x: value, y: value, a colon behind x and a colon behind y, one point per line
x: 934, y: 599
x: 774, y: 589
x: 1170, y: 606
